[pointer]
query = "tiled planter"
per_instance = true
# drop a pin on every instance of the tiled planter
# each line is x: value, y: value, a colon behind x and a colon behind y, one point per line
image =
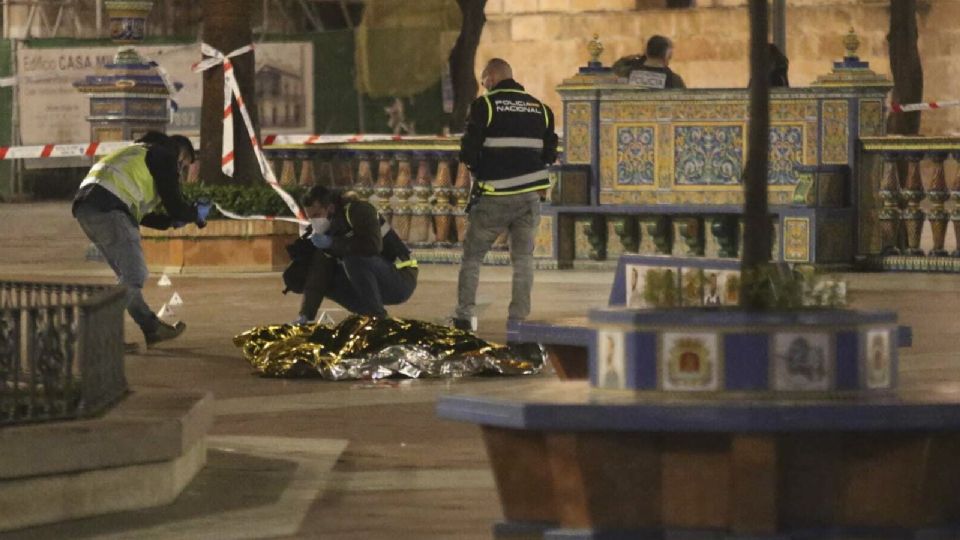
x: 222, y: 246
x: 726, y: 349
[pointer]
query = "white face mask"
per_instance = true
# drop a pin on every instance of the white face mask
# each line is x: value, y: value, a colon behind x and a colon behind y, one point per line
x: 320, y: 225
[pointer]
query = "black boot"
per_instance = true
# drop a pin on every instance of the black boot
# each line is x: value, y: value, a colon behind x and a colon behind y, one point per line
x: 462, y: 324
x: 164, y: 332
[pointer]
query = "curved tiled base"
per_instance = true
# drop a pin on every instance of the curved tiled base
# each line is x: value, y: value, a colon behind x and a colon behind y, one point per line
x: 590, y: 461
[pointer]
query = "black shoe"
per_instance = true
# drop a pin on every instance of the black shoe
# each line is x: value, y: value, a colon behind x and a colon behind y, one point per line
x: 165, y: 332
x: 462, y: 324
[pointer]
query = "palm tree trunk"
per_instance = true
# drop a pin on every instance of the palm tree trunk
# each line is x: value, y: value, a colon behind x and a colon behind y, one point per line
x: 905, y: 66
x: 227, y: 27
x: 463, y: 60
x: 756, y: 233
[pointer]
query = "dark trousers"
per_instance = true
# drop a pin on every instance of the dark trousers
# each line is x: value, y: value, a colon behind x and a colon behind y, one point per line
x: 362, y: 285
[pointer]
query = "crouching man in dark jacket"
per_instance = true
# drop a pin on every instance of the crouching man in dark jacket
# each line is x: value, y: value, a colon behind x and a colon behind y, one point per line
x: 358, y: 262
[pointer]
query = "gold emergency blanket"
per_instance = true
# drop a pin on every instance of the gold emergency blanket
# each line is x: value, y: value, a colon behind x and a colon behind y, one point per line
x: 363, y: 347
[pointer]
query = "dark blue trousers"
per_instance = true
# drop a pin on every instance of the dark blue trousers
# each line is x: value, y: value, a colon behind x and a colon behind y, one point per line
x: 362, y: 285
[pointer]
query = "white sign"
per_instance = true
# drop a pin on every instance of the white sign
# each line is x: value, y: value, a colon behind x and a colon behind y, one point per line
x: 648, y: 79
x: 52, y: 111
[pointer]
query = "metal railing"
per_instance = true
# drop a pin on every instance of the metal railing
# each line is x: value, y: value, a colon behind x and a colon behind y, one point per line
x: 61, y: 350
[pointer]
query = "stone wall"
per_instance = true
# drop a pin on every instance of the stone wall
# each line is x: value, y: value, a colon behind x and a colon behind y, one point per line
x: 545, y: 41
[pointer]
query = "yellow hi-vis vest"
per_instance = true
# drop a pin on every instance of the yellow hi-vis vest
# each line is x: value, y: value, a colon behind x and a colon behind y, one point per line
x: 125, y: 174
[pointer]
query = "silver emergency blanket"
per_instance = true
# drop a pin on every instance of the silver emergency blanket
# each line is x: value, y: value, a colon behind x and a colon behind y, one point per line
x: 362, y: 347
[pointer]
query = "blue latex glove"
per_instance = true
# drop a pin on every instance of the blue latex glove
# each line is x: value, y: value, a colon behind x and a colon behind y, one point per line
x: 203, y: 209
x: 321, y: 241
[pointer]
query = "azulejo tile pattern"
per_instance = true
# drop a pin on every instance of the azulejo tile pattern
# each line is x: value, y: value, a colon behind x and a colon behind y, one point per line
x: 836, y: 132
x: 785, y: 111
x: 690, y: 361
x: 802, y: 361
x: 578, y: 147
x: 543, y: 243
x: 708, y: 155
x: 611, y: 359
x: 796, y: 238
x: 877, y: 358
x: 871, y: 118
x: 636, y: 155
x: 786, y: 152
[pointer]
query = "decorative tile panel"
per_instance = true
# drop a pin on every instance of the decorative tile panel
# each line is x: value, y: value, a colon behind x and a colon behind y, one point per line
x: 632, y: 112
x: 608, y: 157
x: 877, y: 362
x: 578, y: 144
x: 786, y: 152
x: 697, y: 110
x: 543, y: 243
x: 636, y: 155
x: 836, y: 132
x: 796, y: 239
x: 721, y: 287
x: 792, y: 111
x: 871, y: 118
x: 637, y: 278
x: 692, y: 286
x: 708, y: 155
x: 802, y: 361
x: 610, y: 362
x: 690, y: 361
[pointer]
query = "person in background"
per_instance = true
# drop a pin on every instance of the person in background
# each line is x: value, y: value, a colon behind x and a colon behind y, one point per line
x: 356, y: 258
x: 653, y: 66
x: 508, y: 143
x: 122, y: 192
x: 779, y: 64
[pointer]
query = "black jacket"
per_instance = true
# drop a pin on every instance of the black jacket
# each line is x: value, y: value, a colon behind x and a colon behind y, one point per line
x: 162, y: 165
x: 509, y: 140
x: 357, y: 229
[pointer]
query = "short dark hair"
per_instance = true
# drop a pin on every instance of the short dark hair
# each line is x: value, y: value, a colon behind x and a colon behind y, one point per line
x: 172, y: 143
x: 657, y: 47
x: 321, y: 194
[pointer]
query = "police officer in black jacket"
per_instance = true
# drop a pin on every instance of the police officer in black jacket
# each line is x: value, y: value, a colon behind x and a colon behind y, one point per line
x: 358, y: 260
x: 508, y: 143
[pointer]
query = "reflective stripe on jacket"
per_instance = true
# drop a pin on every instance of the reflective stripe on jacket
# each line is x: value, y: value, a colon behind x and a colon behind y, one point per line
x: 124, y: 173
x: 393, y: 248
x: 518, y: 128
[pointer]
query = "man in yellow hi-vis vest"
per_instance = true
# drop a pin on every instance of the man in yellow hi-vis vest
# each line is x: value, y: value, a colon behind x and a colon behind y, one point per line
x: 508, y: 143
x: 118, y: 195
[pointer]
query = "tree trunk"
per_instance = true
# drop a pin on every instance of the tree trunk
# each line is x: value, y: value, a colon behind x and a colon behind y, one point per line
x: 226, y: 27
x: 463, y: 61
x: 756, y: 230
x: 905, y: 66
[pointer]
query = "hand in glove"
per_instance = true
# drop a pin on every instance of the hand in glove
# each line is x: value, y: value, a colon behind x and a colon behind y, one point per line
x: 321, y: 241
x: 203, y: 210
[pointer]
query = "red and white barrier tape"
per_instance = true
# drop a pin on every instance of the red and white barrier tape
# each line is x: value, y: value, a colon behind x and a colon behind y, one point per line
x: 258, y: 217
x: 897, y: 108
x: 60, y: 150
x: 103, y: 148
x: 231, y: 92
x: 271, y: 140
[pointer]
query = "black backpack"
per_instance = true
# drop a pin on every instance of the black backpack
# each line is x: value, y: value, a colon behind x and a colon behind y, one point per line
x: 295, y: 275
